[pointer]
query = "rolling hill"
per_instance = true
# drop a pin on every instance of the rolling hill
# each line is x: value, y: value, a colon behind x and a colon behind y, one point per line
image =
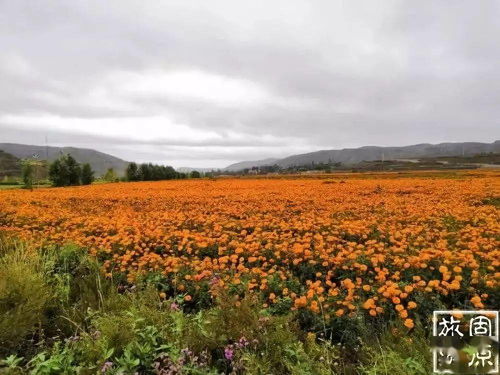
x: 249, y: 164
x: 9, y: 165
x: 99, y: 161
x: 352, y: 156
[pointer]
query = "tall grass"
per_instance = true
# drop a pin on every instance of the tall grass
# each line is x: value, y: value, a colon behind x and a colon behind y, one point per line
x: 24, y: 296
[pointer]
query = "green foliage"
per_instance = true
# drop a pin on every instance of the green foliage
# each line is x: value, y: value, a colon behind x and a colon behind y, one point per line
x: 392, y: 352
x: 151, y: 172
x: 66, y: 171
x: 58, y: 360
x: 60, y: 173
x: 74, y: 170
x: 9, y: 180
x: 28, y: 173
x: 24, y: 296
x: 110, y: 176
x: 494, y: 201
x: 195, y: 174
x: 132, y: 172
x: 87, y: 174
x: 12, y: 361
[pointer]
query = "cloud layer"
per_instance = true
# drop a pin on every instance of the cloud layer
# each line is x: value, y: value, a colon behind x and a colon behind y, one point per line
x: 209, y: 83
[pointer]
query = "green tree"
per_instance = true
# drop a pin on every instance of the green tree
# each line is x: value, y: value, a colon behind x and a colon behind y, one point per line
x: 170, y: 173
x: 28, y: 173
x: 151, y: 172
x: 144, y: 172
x: 58, y: 172
x: 87, y: 174
x: 195, y: 174
x: 132, y: 172
x: 110, y: 175
x: 74, y: 170
x: 65, y: 171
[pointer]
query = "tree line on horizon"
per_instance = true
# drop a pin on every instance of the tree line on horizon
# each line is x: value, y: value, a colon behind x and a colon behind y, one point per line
x: 152, y: 172
x: 155, y: 172
x: 66, y: 171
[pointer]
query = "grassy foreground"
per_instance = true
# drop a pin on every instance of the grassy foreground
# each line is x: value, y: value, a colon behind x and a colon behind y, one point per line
x: 61, y: 316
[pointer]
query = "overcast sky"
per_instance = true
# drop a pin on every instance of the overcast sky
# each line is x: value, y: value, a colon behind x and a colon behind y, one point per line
x: 207, y: 83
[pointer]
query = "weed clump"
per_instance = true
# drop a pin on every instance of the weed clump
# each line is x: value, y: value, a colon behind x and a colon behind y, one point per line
x: 24, y: 297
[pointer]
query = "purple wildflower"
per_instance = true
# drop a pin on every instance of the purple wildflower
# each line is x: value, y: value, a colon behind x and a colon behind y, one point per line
x: 242, y: 342
x: 229, y: 352
x: 174, y: 306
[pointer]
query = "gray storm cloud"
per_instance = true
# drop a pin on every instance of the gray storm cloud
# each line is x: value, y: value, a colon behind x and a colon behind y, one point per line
x: 209, y: 83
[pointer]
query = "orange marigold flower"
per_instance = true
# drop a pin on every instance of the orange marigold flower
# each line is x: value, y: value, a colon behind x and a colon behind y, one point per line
x: 409, y: 323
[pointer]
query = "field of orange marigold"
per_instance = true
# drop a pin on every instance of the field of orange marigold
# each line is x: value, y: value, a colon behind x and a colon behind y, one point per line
x: 379, y: 246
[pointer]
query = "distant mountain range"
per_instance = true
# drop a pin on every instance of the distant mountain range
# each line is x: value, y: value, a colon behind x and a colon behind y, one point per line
x: 99, y: 161
x: 249, y: 164
x: 352, y: 156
